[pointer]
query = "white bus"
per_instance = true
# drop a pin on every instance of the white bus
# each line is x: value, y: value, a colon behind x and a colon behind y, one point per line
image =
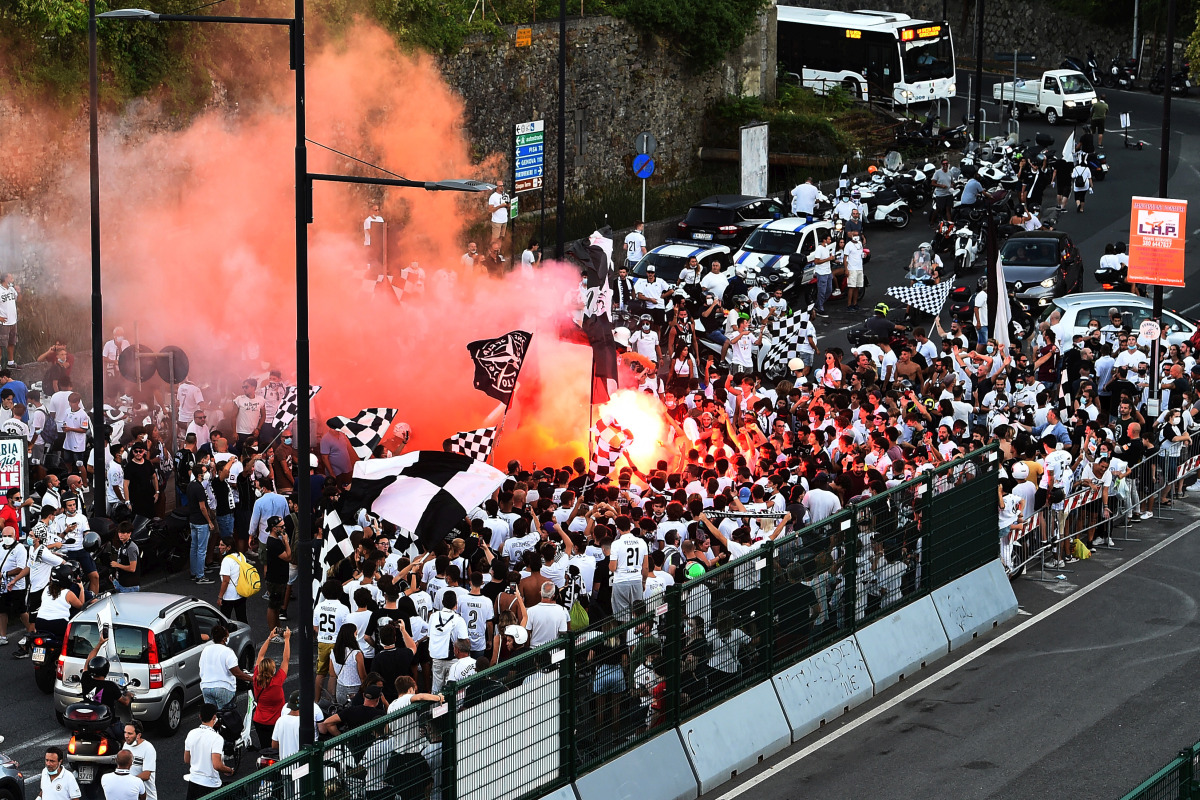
x: 879, y: 55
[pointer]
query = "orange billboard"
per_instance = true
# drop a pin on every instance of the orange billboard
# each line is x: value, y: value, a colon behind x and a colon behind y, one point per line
x: 1157, y: 238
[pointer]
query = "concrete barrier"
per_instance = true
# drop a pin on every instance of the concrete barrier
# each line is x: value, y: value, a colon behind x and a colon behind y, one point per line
x: 902, y: 642
x: 735, y: 735
x: 823, y: 687
x: 655, y: 770
x: 975, y: 603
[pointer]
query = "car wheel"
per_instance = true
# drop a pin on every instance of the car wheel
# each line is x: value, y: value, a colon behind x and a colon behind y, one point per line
x: 1051, y: 116
x: 6, y: 794
x: 172, y: 716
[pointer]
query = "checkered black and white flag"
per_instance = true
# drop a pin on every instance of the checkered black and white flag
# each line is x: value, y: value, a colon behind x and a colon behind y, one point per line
x: 477, y: 443
x: 335, y: 546
x: 609, y: 440
x: 366, y: 429
x: 928, y: 299
x: 786, y: 334
x: 380, y: 286
x: 426, y: 492
x: 286, y: 413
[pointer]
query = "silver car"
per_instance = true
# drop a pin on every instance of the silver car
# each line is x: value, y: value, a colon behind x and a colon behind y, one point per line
x: 156, y: 640
x: 12, y: 781
x: 1080, y: 309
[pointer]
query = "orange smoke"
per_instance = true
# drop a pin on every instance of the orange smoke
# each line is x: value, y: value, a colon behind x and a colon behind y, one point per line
x: 198, y: 249
x: 642, y: 414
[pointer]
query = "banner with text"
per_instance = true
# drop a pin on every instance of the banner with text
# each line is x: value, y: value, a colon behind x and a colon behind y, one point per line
x: 1157, y: 240
x: 14, y: 465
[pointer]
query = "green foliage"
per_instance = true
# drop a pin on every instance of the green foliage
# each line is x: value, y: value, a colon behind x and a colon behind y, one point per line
x: 437, y: 25
x: 801, y: 121
x: 705, y: 30
x: 61, y: 18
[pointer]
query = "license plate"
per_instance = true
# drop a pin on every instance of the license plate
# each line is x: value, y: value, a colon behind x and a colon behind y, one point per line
x: 39, y: 655
x: 86, y: 773
x: 705, y: 236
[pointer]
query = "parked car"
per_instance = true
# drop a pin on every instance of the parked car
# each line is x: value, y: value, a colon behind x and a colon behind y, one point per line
x: 728, y: 218
x: 157, y: 639
x: 775, y: 255
x: 1041, y: 265
x: 670, y: 259
x: 1080, y: 309
x: 12, y: 780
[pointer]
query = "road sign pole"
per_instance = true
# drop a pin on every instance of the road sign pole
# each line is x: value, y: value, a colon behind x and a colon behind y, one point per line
x: 643, y: 217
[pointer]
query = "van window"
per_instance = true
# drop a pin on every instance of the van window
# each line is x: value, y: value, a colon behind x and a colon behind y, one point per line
x: 131, y: 643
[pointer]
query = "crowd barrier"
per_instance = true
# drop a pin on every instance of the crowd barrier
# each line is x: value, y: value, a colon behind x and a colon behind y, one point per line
x: 703, y: 681
x: 1177, y: 780
x: 1047, y: 537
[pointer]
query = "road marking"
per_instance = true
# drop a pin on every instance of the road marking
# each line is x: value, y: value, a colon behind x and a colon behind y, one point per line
x: 772, y: 771
x: 61, y: 733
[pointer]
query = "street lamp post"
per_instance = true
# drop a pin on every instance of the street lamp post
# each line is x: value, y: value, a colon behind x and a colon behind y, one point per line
x: 304, y: 181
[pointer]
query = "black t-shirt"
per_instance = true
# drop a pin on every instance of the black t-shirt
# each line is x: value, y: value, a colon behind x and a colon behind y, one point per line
x: 105, y: 692
x: 197, y: 500
x: 141, y: 479
x: 126, y: 555
x: 391, y: 664
x: 223, y: 496
x: 275, y: 566
x: 356, y: 715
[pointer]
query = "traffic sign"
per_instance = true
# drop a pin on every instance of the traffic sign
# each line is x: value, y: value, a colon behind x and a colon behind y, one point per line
x: 529, y: 156
x: 645, y: 143
x: 643, y: 166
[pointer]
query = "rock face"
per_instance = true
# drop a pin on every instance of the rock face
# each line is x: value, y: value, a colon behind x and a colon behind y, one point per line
x: 619, y: 82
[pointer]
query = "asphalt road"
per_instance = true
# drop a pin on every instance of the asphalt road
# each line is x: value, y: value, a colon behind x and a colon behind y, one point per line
x: 28, y: 723
x: 1105, y: 219
x: 1083, y: 700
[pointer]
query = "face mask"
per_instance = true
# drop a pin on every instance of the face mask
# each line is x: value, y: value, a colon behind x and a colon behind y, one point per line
x: 287, y: 440
x: 1131, y: 347
x: 991, y: 349
x: 645, y: 327
x: 670, y: 405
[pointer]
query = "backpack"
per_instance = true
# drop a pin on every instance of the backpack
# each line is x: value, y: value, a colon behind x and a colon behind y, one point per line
x: 248, y: 581
x: 1080, y: 179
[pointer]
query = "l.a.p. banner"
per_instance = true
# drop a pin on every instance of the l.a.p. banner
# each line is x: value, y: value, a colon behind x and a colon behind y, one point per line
x: 14, y: 465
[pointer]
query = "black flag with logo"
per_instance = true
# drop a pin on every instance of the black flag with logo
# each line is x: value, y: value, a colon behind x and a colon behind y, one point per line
x: 498, y: 363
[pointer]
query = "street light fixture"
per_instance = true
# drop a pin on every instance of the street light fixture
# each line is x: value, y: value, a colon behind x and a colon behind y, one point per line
x: 304, y: 181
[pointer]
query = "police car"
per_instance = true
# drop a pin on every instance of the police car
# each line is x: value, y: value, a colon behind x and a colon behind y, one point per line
x: 672, y: 258
x: 766, y: 259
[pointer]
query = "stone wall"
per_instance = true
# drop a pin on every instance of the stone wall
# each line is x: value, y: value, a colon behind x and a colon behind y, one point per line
x: 619, y: 82
x: 1031, y: 27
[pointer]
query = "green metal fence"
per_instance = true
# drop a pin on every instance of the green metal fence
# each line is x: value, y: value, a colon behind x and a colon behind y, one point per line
x: 537, y: 721
x: 1175, y: 781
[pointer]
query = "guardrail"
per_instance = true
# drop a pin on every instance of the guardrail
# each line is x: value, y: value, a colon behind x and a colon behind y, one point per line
x: 1175, y: 781
x: 534, y: 723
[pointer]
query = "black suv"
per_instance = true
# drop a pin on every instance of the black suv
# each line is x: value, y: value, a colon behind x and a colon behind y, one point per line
x: 1041, y: 265
x: 728, y: 219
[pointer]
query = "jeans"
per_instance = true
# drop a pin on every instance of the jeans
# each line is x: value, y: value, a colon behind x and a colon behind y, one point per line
x: 824, y: 289
x: 119, y: 589
x: 198, y: 550
x: 982, y: 330
x: 219, y: 697
x: 225, y: 526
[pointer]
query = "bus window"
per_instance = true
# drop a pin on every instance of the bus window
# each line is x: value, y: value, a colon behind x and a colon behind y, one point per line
x: 928, y: 59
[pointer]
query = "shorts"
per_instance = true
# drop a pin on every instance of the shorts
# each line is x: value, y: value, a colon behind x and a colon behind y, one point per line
x: 293, y: 573
x: 274, y: 594
x: 13, y: 603
x: 854, y: 279
x: 1081, y: 197
x: 610, y: 679
x: 498, y: 230
x: 1098, y: 125
x: 8, y: 335
x: 34, y: 602
x: 323, y: 651
x: 84, y: 558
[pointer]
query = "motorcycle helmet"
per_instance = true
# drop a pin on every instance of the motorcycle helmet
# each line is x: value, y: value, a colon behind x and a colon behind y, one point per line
x: 924, y: 246
x: 882, y: 308
x: 98, y: 667
x: 871, y: 170
x: 741, y: 302
x: 91, y: 541
x: 982, y: 284
x: 855, y: 194
x: 63, y: 574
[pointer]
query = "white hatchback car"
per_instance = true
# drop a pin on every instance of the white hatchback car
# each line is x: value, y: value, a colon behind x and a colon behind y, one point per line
x: 1080, y: 309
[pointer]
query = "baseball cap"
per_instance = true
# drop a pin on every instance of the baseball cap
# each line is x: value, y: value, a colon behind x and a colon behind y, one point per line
x: 372, y: 692
x: 294, y: 700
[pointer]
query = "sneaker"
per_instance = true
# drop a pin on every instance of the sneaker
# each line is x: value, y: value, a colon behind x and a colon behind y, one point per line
x: 1109, y: 542
x: 1146, y: 515
x: 3, y: 641
x: 205, y: 581
x: 821, y: 314
x: 12, y: 363
x: 21, y: 652
x: 283, y: 616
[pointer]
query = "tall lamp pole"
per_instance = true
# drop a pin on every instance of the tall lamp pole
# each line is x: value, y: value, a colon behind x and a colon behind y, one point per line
x: 99, y: 436
x: 560, y: 208
x: 304, y: 181
x: 1164, y: 165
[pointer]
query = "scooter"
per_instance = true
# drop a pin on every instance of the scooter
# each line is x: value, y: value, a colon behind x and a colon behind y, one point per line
x: 1089, y: 66
x: 1098, y: 164
x: 93, y: 748
x: 886, y: 206
x: 966, y: 249
x: 1113, y: 279
x: 46, y: 648
x: 1120, y: 73
x: 1180, y: 83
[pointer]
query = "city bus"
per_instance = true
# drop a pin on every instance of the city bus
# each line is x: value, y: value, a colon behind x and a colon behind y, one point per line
x: 878, y: 55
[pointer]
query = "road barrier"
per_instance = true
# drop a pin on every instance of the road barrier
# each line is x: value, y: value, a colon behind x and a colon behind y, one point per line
x: 1175, y: 781
x: 799, y: 630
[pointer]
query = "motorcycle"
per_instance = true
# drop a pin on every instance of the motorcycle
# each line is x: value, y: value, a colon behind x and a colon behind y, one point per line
x: 1098, y: 164
x: 92, y: 750
x: 885, y: 206
x: 1089, y: 66
x: 966, y: 249
x: 1180, y: 83
x: 859, y: 336
x: 1120, y: 73
x: 47, y: 647
x: 1113, y: 279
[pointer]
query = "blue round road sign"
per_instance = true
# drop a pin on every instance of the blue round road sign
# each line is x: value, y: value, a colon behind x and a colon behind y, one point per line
x: 643, y: 166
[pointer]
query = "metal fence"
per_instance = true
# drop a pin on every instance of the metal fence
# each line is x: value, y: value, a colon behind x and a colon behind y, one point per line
x: 537, y: 721
x: 1175, y: 781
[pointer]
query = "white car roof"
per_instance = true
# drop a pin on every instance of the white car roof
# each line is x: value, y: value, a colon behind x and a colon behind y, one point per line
x: 794, y: 224
x: 687, y: 251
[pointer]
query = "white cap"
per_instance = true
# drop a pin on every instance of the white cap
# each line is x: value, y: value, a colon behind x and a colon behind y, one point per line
x: 795, y: 364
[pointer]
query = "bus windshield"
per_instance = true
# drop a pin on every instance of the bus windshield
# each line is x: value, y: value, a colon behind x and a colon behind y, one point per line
x: 927, y: 59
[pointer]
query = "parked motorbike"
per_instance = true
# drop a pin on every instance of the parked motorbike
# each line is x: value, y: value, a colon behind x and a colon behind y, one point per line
x: 885, y: 206
x: 1180, y: 81
x: 1089, y: 66
x: 1120, y: 73
x: 967, y: 243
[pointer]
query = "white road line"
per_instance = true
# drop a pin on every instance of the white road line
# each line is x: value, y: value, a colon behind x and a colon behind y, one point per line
x: 771, y: 772
x: 60, y: 733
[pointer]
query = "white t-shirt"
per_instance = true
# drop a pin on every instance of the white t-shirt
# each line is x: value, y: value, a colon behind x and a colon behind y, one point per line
x: 716, y: 283
x: 230, y: 568
x: 328, y: 616
x: 60, y: 405
x: 16, y: 557
x: 853, y: 252
x: 477, y: 610
x: 725, y: 649
x: 546, y: 622
x: 499, y: 209
x: 287, y: 734
x: 804, y: 197
x: 201, y: 743
x: 629, y: 552
x: 652, y: 290
x: 445, y: 627
x: 249, y: 410
x: 74, y: 441
x: 41, y: 563
x: 360, y: 620
x: 635, y: 246
x: 145, y: 759
x: 461, y: 669
x: 741, y: 351
x: 62, y: 786
x: 820, y: 252
x: 8, y: 304
x: 645, y: 343
x: 116, y: 480
x: 121, y: 785
x: 216, y: 661
x: 190, y: 398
